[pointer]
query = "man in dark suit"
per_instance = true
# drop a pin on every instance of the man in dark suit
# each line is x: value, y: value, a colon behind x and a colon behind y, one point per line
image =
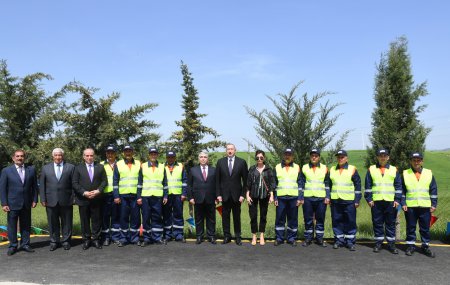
x: 89, y: 181
x: 55, y: 189
x: 18, y: 193
x: 202, y: 194
x: 231, y: 176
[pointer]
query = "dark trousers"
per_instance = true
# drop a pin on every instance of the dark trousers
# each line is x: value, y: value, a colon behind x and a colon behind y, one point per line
x: 173, y: 217
x: 227, y: 207
x: 287, y: 209
x: 384, y: 216
x: 91, y: 221
x: 314, y: 208
x: 23, y: 216
x: 253, y: 212
x: 110, y: 217
x: 130, y: 219
x: 344, y: 222
x: 204, y: 212
x: 60, y: 217
x: 422, y: 215
x: 152, y: 218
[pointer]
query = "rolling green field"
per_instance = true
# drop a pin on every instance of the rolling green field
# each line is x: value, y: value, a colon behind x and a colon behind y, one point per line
x: 437, y: 161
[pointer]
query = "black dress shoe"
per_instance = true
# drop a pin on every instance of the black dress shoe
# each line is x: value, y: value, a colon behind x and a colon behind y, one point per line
x: 11, y: 251
x: 321, y: 243
x: 120, y: 244
x: 238, y: 241
x: 226, y: 240
x: 66, y: 246
x: 53, y: 246
x: 306, y: 243
x: 393, y: 249
x: 86, y: 244
x: 97, y: 244
x: 199, y: 241
x: 427, y: 251
x: 277, y: 242
x: 27, y: 248
x: 292, y: 242
x: 352, y: 247
x: 410, y: 250
x: 212, y: 240
x: 336, y: 245
x: 107, y: 242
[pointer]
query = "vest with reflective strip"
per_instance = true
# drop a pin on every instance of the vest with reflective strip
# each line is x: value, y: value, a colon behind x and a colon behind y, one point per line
x: 342, y: 187
x: 383, y: 185
x: 152, y: 181
x: 174, y: 182
x: 128, y: 177
x: 418, y: 192
x: 287, y: 180
x: 314, y: 186
x: 109, y: 174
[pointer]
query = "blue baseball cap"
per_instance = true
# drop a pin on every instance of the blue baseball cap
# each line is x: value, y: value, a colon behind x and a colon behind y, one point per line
x: 171, y: 153
x: 382, y: 151
x: 315, y: 150
x: 152, y: 149
x: 416, y: 155
x: 111, y: 148
x: 341, y: 152
x: 127, y: 147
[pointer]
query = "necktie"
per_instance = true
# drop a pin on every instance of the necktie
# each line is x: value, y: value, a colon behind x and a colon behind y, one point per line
x: 230, y: 166
x: 58, y: 171
x: 91, y: 176
x: 204, y: 173
x: 21, y: 174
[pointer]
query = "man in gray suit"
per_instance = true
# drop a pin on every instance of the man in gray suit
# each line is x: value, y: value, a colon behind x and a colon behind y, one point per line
x: 57, y: 196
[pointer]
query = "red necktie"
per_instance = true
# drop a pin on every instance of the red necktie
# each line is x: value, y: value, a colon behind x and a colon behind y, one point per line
x: 204, y: 173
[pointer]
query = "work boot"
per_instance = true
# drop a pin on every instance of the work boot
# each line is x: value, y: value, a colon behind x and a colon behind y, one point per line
x: 410, y: 250
x: 393, y: 249
x: 427, y: 251
x: 377, y: 248
x: 306, y: 243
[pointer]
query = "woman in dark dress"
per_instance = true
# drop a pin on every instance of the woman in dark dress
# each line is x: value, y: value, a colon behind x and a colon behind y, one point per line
x: 260, y: 185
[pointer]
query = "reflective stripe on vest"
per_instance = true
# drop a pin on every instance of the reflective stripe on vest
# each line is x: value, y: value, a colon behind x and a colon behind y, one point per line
x: 314, y: 186
x: 109, y: 174
x: 128, y: 177
x: 174, y: 182
x: 342, y: 187
x: 287, y: 180
x: 418, y: 192
x: 152, y: 181
x: 383, y: 185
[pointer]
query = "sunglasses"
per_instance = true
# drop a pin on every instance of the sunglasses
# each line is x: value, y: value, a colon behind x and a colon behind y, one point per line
x: 259, y: 158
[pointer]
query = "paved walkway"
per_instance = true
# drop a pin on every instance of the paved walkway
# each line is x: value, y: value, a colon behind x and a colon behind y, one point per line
x: 178, y: 263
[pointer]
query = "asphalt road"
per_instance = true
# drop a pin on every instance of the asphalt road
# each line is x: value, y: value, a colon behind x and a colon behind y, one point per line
x: 178, y: 263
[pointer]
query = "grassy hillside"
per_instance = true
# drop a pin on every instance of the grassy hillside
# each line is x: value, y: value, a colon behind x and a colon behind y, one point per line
x: 439, y: 162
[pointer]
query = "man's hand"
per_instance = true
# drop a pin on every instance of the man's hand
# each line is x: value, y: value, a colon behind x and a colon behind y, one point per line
x: 356, y: 205
x: 219, y: 198
x: 371, y: 204
x: 432, y: 209
x: 395, y: 204
x: 326, y: 201
x: 6, y: 208
x: 33, y: 205
x: 164, y: 201
x: 249, y: 199
x: 117, y: 201
x: 192, y: 202
x: 44, y: 204
x: 271, y: 199
x: 405, y: 208
x: 275, y: 203
x: 139, y: 201
x: 300, y: 202
x: 183, y: 198
x: 241, y: 199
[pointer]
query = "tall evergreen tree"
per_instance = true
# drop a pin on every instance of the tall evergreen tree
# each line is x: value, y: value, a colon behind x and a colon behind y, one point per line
x: 301, y: 123
x: 26, y: 114
x: 90, y: 122
x: 188, y: 141
x: 395, y: 122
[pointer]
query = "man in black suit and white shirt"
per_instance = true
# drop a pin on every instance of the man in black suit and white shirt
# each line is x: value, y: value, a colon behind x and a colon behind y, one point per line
x: 231, y: 176
x: 89, y: 181
x: 55, y: 189
x: 202, y: 194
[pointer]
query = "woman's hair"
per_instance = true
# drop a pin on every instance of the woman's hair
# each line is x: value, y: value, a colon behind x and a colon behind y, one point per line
x: 260, y: 152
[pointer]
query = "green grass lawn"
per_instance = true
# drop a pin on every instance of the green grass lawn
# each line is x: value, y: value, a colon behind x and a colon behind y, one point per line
x: 439, y: 162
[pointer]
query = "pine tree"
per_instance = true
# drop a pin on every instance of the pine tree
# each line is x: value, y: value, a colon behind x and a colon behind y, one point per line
x: 298, y: 123
x: 395, y: 122
x: 26, y: 114
x: 188, y: 141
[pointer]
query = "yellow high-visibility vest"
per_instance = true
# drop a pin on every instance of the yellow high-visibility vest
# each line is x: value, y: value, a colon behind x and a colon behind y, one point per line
x: 383, y: 185
x: 128, y: 177
x: 152, y: 181
x: 418, y: 192
x: 314, y: 186
x: 109, y: 174
x: 342, y: 187
x: 287, y: 180
x: 174, y: 179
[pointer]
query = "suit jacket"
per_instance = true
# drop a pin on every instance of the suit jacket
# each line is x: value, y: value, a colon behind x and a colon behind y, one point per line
x: 81, y: 183
x: 56, y: 192
x: 200, y: 190
x: 13, y: 192
x: 231, y: 187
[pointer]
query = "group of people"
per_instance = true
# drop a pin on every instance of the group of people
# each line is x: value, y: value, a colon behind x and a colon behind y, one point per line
x: 116, y: 196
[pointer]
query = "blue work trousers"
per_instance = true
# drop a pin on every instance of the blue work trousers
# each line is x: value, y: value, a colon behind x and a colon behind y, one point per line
x: 344, y: 223
x: 422, y: 215
x: 287, y: 208
x: 110, y: 218
x: 314, y: 208
x: 152, y: 212
x: 173, y: 218
x: 383, y: 219
x: 130, y: 219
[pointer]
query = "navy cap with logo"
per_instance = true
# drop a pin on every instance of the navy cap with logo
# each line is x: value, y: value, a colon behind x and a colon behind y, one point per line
x: 341, y: 152
x: 171, y: 153
x: 152, y: 149
x: 315, y: 150
x: 382, y: 151
x: 128, y: 147
x: 111, y: 148
x: 288, y: 150
x: 416, y: 155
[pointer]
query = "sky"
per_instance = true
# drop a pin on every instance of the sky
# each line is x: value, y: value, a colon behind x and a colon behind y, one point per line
x: 239, y: 52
